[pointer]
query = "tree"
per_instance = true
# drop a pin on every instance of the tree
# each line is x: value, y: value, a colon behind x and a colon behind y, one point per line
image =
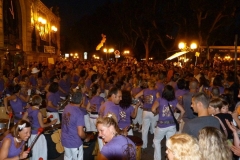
x: 213, y: 15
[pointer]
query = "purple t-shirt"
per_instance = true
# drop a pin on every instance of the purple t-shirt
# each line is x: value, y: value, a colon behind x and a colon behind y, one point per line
x: 17, y: 107
x: 75, y: 79
x: 165, y: 116
x: 160, y: 86
x: 173, y: 84
x: 1, y: 85
x: 88, y: 82
x: 110, y: 107
x: 55, y: 99
x: 180, y: 92
x: 72, y: 117
x: 33, y: 81
x: 65, y: 85
x: 13, y: 150
x: 136, y: 90
x: 119, y: 148
x: 96, y: 100
x: 33, y: 119
x: 125, y: 117
x: 149, y: 97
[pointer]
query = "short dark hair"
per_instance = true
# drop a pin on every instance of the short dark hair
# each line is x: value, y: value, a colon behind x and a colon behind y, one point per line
x: 201, y: 97
x: 181, y: 83
x: 76, y: 98
x: 63, y: 74
x: 215, y: 91
x: 113, y: 90
x: 168, y: 93
x: 53, y: 87
x: 16, y: 88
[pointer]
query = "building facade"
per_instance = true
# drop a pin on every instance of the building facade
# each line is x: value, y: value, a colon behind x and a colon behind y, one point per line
x: 29, y: 32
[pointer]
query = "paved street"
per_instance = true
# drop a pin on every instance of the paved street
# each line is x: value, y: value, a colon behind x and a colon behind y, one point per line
x: 147, y: 154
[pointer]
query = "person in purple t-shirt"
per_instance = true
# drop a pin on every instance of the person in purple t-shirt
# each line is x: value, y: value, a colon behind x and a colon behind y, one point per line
x: 72, y: 128
x: 15, y: 101
x: 94, y: 104
x: 112, y: 104
x: 127, y: 111
x: 166, y: 125
x: 116, y: 147
x: 149, y: 119
x: 64, y: 85
x: 135, y: 90
x: 33, y: 78
x: 53, y: 99
x: 12, y: 145
x: 35, y: 117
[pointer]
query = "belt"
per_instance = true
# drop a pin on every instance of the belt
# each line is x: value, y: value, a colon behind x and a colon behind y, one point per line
x: 94, y: 112
x: 52, y: 111
x: 166, y: 122
x: 147, y: 109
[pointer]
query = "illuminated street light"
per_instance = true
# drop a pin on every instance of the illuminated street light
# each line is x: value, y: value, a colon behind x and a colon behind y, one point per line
x: 183, y: 47
x: 126, y: 52
x: 108, y: 50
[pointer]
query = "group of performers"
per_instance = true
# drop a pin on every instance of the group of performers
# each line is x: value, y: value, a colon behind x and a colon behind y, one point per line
x: 86, y: 108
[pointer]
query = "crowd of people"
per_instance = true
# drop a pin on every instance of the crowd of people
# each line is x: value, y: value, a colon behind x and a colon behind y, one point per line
x: 116, y: 99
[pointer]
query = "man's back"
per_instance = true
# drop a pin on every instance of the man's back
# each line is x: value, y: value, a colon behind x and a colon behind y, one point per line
x: 193, y: 126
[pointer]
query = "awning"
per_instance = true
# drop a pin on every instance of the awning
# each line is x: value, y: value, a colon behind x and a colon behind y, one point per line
x: 176, y: 55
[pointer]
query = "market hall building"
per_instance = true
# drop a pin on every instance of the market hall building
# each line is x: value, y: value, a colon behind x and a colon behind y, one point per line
x: 29, y: 32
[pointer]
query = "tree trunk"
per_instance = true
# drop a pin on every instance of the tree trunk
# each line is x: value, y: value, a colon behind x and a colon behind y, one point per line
x: 146, y: 45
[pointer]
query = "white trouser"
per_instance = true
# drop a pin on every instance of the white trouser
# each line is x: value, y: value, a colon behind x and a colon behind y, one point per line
x: 73, y: 153
x: 92, y: 121
x: 87, y: 122
x: 55, y: 116
x: 130, y: 132
x: 149, y: 120
x: 138, y: 118
x: 159, y: 134
x: 40, y: 147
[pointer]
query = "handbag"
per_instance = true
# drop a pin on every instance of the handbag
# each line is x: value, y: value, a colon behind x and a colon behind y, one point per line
x: 175, y: 121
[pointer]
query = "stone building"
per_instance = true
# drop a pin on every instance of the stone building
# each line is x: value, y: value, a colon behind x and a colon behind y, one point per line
x: 29, y: 32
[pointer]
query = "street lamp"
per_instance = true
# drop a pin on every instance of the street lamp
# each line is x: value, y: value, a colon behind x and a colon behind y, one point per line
x: 108, y: 50
x: 126, y: 52
x: 184, y: 48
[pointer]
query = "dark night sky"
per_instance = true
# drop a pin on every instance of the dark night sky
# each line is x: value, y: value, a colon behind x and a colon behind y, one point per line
x: 72, y: 10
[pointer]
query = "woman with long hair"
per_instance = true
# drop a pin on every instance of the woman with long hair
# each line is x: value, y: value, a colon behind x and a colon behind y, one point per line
x: 213, y: 144
x: 12, y: 146
x: 116, y: 146
x: 127, y: 111
x: 183, y: 147
x: 166, y: 125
